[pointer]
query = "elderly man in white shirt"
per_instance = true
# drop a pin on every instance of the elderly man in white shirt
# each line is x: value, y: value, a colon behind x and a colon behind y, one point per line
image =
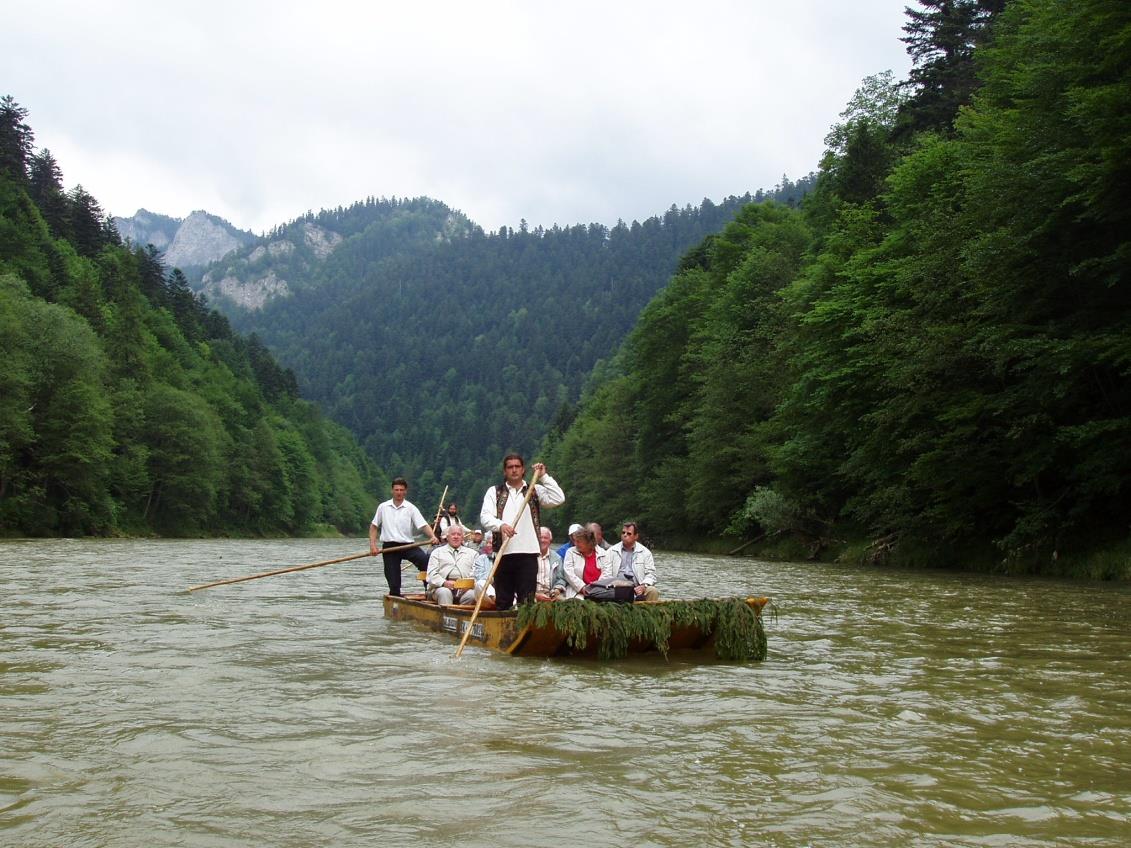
x: 517, y: 572
x: 551, y: 581
x: 448, y: 564
x: 633, y: 561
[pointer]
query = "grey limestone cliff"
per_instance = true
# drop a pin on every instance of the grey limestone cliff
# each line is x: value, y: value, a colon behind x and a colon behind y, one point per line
x: 251, y: 281
x: 204, y: 238
x: 194, y: 241
x: 147, y: 227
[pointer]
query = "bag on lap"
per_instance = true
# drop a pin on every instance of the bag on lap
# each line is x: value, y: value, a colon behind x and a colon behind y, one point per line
x: 611, y: 589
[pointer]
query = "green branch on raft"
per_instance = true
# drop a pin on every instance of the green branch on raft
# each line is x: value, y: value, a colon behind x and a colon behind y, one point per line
x: 737, y: 627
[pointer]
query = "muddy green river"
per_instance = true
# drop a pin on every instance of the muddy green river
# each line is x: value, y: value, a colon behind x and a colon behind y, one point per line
x: 895, y: 709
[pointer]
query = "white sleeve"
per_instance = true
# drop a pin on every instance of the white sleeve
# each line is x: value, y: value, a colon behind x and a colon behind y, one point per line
x: 569, y: 569
x: 648, y: 578
x: 610, y: 566
x: 487, y: 518
x: 550, y: 494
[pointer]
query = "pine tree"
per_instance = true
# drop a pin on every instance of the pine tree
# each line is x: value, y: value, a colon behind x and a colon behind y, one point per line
x: 85, y: 218
x: 15, y: 139
x: 151, y: 271
x: 941, y: 38
x: 46, y: 189
x: 183, y: 304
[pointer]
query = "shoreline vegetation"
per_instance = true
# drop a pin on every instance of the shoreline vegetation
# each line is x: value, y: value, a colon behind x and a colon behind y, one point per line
x: 926, y: 362
x: 1110, y: 563
x: 127, y: 405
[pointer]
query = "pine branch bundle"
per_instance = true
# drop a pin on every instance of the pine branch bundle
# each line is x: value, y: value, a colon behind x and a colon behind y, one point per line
x: 737, y: 627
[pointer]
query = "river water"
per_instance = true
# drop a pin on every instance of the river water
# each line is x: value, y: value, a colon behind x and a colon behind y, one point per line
x: 895, y: 708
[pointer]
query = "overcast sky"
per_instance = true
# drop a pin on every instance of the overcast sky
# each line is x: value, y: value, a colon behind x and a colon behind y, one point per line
x: 556, y: 112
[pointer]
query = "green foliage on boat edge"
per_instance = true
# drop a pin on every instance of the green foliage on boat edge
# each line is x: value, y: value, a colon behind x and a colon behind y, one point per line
x: 737, y: 627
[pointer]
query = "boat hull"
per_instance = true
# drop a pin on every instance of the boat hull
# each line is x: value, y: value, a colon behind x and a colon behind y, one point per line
x: 499, y: 631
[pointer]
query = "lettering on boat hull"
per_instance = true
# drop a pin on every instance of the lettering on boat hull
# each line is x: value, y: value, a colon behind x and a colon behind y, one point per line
x: 456, y: 625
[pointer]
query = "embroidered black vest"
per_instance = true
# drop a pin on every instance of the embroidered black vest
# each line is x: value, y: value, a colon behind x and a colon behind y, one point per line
x: 501, y: 494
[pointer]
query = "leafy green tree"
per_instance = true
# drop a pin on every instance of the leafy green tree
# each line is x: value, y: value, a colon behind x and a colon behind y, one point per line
x: 127, y: 406
x: 56, y: 443
x: 596, y: 456
x: 184, y: 442
x: 17, y: 431
x: 736, y: 356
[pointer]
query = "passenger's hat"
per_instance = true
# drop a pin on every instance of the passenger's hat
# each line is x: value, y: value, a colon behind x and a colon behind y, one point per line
x: 573, y: 528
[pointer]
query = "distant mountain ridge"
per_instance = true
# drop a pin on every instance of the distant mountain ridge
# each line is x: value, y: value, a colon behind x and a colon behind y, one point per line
x: 186, y: 243
x: 409, y: 324
x: 291, y: 257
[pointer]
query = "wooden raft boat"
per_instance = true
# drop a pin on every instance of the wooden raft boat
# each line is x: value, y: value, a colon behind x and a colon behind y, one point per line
x: 502, y: 631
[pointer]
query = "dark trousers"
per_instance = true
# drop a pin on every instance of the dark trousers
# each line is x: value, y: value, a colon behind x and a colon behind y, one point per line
x: 392, y: 561
x: 517, y: 574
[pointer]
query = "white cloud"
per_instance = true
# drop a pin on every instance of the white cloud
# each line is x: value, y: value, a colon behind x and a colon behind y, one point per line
x: 548, y: 112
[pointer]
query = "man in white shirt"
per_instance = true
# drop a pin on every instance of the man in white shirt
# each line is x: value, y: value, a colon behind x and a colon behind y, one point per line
x: 550, y: 580
x: 517, y: 573
x: 449, y: 563
x: 634, y: 562
x: 398, y: 521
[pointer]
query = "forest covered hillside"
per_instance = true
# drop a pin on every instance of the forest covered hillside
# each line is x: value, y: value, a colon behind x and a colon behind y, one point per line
x: 127, y: 406
x: 291, y: 258
x: 441, y: 346
x: 930, y: 361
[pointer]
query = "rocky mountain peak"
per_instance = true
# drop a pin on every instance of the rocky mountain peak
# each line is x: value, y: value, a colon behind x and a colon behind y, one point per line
x: 203, y: 238
x: 194, y: 241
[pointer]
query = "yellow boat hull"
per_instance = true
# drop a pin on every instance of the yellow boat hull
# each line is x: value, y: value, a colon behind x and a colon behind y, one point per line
x: 499, y: 631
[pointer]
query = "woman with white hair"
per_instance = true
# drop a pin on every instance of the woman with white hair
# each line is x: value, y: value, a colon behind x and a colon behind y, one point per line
x: 585, y: 563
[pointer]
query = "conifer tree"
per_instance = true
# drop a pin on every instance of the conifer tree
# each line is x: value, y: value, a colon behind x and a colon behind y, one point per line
x: 151, y: 271
x: 45, y: 185
x: 941, y: 38
x: 85, y: 218
x: 15, y: 139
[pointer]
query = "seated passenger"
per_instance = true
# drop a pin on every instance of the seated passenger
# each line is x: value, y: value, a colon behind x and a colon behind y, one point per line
x: 551, y: 581
x: 585, y: 562
x: 600, y: 534
x: 632, y: 561
x: 483, y: 565
x: 449, y: 563
x: 568, y: 544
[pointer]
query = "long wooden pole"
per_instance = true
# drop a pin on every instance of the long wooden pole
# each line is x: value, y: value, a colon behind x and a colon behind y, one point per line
x: 495, y: 565
x: 435, y: 524
x: 439, y: 509
x: 304, y: 567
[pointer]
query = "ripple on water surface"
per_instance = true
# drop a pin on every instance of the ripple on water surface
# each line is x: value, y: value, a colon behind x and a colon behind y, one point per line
x: 894, y: 709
